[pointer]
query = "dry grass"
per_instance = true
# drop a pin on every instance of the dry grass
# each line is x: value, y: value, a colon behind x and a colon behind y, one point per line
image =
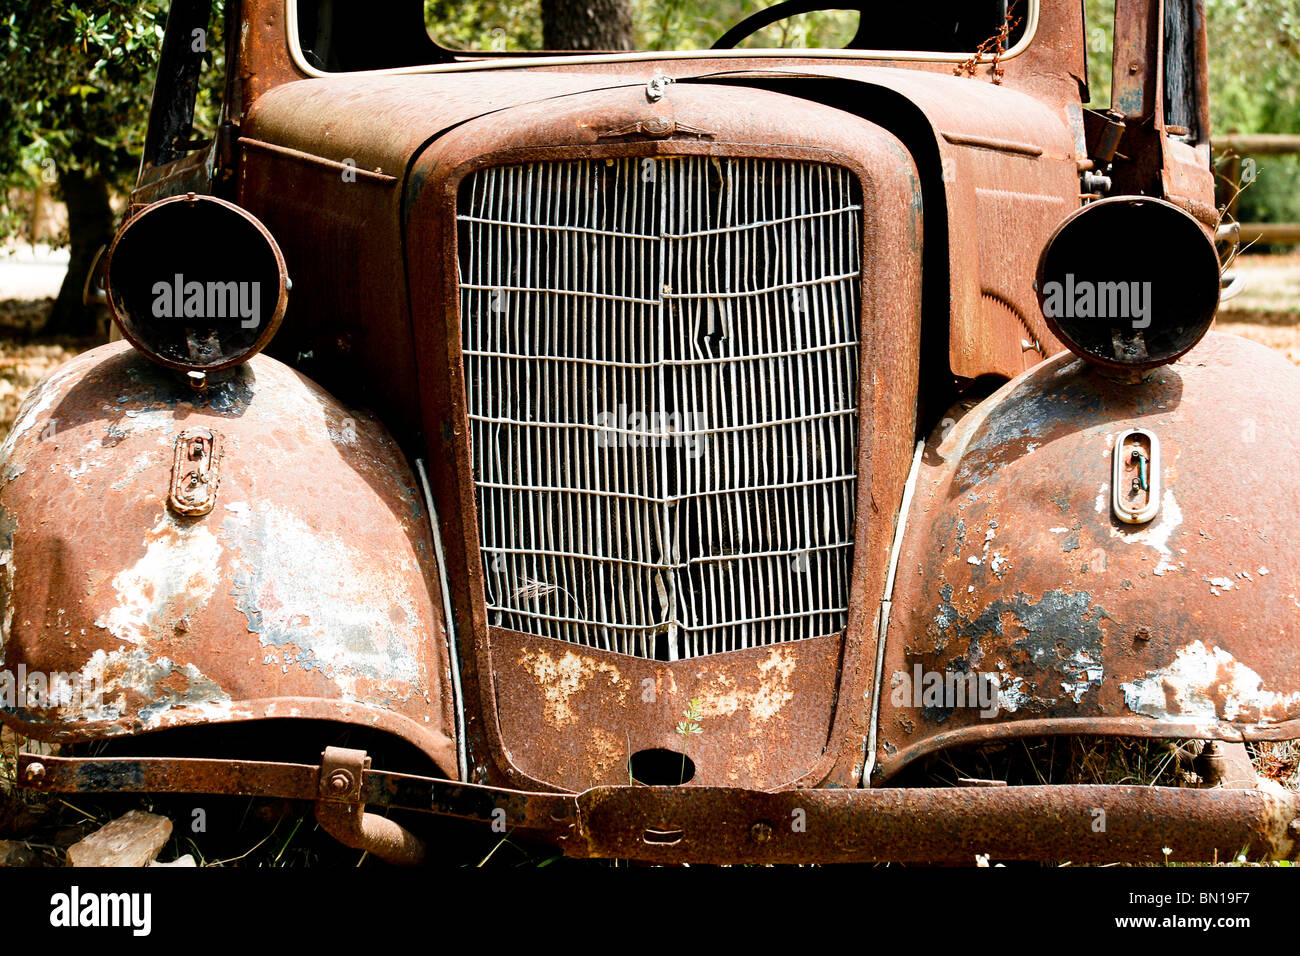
x: 25, y: 356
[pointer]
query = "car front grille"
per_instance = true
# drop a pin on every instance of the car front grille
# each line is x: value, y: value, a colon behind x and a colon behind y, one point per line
x: 661, y: 365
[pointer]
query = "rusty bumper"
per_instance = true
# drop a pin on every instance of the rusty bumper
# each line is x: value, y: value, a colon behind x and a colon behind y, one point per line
x: 722, y: 825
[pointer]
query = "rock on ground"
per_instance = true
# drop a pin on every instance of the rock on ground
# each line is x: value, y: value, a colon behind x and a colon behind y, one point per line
x: 134, y: 839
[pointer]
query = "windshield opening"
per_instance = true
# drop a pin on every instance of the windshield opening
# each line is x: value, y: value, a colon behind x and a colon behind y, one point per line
x: 355, y: 35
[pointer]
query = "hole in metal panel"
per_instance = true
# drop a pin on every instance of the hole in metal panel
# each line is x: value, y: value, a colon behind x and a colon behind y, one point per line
x: 659, y: 767
x: 662, y: 837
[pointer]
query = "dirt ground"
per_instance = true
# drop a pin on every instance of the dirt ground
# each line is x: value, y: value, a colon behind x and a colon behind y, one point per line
x: 1268, y: 311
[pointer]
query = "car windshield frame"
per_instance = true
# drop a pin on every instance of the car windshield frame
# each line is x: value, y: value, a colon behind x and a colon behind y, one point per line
x: 473, y: 60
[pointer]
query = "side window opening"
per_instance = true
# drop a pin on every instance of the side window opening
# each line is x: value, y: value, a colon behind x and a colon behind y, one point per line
x: 1099, y: 42
x: 341, y: 36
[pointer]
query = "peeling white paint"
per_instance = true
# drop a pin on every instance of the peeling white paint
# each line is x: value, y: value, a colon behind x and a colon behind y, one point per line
x: 148, y: 419
x: 179, y: 571
x: 138, y: 465
x: 1012, y: 696
x: 338, y: 617
x: 1157, y: 534
x: 559, y: 677
x: 42, y: 399
x: 1188, y: 688
x: 121, y: 673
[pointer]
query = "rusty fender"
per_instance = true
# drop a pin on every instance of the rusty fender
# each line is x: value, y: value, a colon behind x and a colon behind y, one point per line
x: 1015, y: 564
x: 172, y: 557
x: 726, y: 825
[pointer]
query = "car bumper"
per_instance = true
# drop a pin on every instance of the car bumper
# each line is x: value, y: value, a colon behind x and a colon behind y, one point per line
x: 721, y: 825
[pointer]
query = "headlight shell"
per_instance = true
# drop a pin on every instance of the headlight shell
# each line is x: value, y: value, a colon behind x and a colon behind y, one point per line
x: 1129, y: 282
x: 196, y: 283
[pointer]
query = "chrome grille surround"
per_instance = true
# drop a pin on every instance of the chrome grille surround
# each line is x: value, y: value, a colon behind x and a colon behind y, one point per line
x: 661, y: 365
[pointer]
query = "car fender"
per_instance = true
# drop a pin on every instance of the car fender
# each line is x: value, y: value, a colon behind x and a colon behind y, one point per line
x: 1014, y: 564
x: 309, y: 590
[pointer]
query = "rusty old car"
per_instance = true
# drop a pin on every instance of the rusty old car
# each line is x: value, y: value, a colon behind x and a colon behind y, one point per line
x: 657, y: 453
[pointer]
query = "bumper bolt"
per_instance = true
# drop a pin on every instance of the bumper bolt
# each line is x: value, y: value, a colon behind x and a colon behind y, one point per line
x: 35, y: 772
x: 760, y: 832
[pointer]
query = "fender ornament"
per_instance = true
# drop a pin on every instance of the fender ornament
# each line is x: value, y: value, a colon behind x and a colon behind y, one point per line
x: 193, y: 491
x: 1135, y: 478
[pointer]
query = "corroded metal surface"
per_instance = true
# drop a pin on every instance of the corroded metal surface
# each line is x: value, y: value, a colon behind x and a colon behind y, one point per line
x: 718, y: 825
x: 341, y: 811
x: 308, y: 591
x: 888, y: 337
x: 1016, y: 566
x: 930, y: 825
x: 573, y: 716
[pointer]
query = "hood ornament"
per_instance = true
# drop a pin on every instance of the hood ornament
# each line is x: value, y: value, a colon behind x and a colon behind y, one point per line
x: 656, y: 87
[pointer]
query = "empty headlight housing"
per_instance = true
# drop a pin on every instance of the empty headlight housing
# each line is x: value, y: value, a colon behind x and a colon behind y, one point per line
x: 196, y: 283
x: 1129, y: 282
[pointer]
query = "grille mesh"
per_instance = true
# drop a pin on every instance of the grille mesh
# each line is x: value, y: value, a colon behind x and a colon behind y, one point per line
x: 661, y: 365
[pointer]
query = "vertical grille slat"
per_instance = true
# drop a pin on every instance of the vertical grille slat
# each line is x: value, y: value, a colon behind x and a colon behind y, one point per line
x: 661, y: 362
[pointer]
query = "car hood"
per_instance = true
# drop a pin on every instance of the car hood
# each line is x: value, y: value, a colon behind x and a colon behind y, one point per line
x: 382, y: 122
x: 993, y: 160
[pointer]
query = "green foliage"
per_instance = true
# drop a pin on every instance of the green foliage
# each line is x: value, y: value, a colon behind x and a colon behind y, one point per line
x: 76, y: 86
x: 1255, y: 88
x: 499, y: 25
x: 1099, y: 32
x: 1255, y: 65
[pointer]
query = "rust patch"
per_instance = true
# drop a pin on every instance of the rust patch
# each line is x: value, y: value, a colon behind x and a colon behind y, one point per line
x: 561, y: 676
x: 570, y: 716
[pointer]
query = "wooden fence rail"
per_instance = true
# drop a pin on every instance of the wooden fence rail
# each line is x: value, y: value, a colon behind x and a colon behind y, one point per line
x: 1237, y: 146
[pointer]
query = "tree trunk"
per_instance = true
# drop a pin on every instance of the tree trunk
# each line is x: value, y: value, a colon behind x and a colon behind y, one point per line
x: 587, y: 24
x: 90, y: 226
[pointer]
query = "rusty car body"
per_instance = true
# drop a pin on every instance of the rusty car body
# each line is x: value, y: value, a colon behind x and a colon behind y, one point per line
x: 709, y: 398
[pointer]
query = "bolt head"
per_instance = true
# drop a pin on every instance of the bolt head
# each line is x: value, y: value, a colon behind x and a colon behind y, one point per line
x: 760, y: 832
x: 35, y: 772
